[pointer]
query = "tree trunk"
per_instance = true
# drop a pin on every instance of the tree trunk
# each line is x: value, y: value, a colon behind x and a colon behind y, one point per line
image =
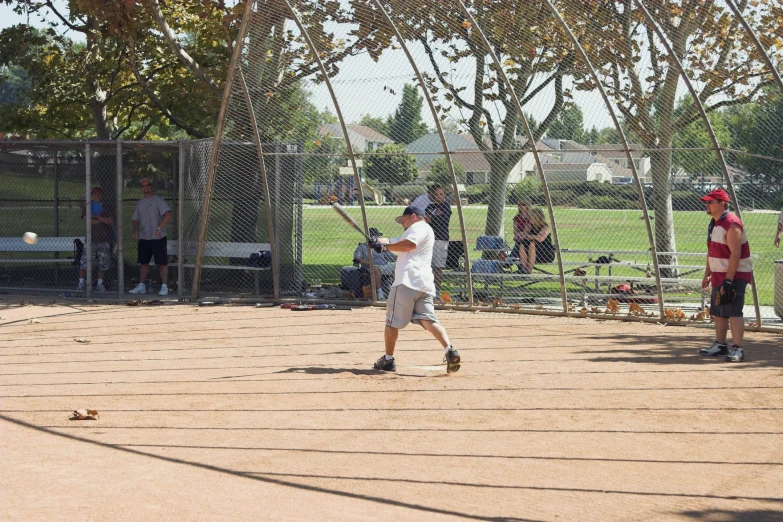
x: 99, y: 116
x: 496, y: 203
x: 661, y: 163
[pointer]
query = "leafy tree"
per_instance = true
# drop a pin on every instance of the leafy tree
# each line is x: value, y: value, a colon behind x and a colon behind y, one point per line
x: 407, y: 126
x: 609, y: 135
x: 439, y: 172
x: 531, y: 46
x: 591, y: 136
x: 14, y: 86
x: 725, y: 71
x: 755, y: 129
x: 391, y: 164
x: 376, y: 124
x: 698, y: 163
x: 325, y: 157
x: 568, y: 125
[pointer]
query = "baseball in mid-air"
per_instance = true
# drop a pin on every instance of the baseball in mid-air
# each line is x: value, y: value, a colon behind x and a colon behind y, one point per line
x: 30, y: 238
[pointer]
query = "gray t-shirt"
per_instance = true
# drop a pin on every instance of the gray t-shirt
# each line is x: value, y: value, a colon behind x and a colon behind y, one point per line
x: 149, y: 213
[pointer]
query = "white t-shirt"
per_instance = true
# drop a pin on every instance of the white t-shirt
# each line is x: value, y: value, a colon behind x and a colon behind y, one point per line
x: 780, y: 218
x: 414, y: 268
x: 422, y: 202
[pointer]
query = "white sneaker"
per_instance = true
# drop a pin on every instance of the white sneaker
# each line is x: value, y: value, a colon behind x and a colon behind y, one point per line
x: 380, y: 295
x: 100, y: 288
x: 81, y: 287
x: 164, y: 290
x: 735, y: 355
x: 139, y: 289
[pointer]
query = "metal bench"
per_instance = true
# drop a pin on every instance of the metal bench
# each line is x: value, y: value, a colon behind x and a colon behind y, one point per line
x: 217, y: 249
x: 43, y: 246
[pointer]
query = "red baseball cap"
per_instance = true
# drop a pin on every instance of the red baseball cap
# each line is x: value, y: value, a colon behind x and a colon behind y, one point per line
x: 717, y: 194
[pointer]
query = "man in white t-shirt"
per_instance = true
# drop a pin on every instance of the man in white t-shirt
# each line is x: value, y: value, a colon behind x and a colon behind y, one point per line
x: 411, y: 296
x: 780, y: 230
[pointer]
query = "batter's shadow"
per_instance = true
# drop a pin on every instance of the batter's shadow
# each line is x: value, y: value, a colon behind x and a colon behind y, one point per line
x: 321, y: 370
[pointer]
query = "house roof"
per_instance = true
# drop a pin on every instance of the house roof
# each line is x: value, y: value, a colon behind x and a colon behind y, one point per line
x: 431, y: 143
x: 356, y: 133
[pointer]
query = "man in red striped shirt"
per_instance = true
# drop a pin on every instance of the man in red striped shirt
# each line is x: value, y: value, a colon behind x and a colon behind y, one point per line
x: 729, y: 271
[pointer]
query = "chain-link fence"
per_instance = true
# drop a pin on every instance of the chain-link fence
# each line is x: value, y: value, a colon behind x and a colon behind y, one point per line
x: 561, y: 147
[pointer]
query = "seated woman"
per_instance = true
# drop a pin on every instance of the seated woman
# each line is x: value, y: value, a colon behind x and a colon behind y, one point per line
x: 384, y: 265
x: 536, y: 244
x: 521, y: 226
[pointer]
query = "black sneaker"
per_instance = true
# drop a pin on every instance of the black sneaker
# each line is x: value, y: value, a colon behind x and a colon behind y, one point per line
x: 452, y: 360
x: 385, y: 365
x: 715, y: 350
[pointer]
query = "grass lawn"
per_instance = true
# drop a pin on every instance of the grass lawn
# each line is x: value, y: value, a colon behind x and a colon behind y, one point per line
x: 329, y: 242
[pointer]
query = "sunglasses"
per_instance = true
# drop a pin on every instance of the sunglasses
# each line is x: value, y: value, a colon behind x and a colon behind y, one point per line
x: 710, y: 202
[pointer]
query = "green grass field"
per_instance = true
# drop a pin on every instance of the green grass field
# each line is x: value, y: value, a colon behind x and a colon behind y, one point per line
x: 329, y: 242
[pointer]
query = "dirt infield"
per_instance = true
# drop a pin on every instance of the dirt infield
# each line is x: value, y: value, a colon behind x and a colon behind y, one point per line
x: 241, y: 413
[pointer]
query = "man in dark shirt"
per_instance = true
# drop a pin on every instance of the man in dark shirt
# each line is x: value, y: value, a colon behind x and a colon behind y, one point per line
x: 438, y: 215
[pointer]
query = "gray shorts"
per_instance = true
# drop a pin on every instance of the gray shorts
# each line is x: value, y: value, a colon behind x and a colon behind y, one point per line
x: 440, y: 252
x: 406, y: 305
x: 101, y: 254
x: 730, y: 310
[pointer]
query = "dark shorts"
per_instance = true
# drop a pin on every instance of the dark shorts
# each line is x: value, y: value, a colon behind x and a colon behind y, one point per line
x: 149, y: 248
x: 730, y: 310
x: 544, y: 253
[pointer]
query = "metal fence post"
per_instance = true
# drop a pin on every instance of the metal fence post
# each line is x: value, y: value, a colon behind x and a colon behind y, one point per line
x: 180, y: 206
x: 56, y: 217
x: 118, y: 224
x: 87, y: 219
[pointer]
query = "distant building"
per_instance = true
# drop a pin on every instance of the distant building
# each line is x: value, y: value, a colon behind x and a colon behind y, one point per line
x: 363, y: 139
x: 561, y: 160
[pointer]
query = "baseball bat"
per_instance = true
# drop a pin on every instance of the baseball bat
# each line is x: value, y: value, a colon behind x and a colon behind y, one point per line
x: 348, y: 219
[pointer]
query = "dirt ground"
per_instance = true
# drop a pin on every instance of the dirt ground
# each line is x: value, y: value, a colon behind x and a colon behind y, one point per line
x: 241, y: 413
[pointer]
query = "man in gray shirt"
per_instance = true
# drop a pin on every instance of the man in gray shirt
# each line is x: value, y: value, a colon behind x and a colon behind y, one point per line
x: 149, y: 227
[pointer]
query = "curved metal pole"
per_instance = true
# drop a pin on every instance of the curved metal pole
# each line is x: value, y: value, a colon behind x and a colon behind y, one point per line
x: 357, y: 179
x: 756, y: 41
x: 213, y: 158
x: 529, y: 132
x: 449, y: 165
x: 265, y: 185
x: 708, y: 126
x: 624, y: 142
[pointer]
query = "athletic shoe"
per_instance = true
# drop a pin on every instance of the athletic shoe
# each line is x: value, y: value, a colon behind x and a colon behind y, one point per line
x: 384, y: 365
x: 81, y: 287
x: 736, y: 354
x: 380, y: 295
x: 452, y: 360
x: 715, y: 350
x: 139, y: 289
x: 100, y: 288
x: 164, y: 290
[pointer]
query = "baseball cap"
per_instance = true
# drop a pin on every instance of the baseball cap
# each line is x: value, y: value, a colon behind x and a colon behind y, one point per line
x: 408, y: 211
x: 717, y: 194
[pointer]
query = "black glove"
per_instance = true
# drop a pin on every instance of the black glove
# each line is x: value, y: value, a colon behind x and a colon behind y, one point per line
x: 727, y: 292
x: 376, y: 245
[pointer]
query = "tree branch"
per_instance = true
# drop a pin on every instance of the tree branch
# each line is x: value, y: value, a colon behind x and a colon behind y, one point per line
x: 154, y: 98
x: 181, y: 54
x: 118, y: 132
x: 69, y: 25
x: 687, y: 118
x: 144, y: 130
